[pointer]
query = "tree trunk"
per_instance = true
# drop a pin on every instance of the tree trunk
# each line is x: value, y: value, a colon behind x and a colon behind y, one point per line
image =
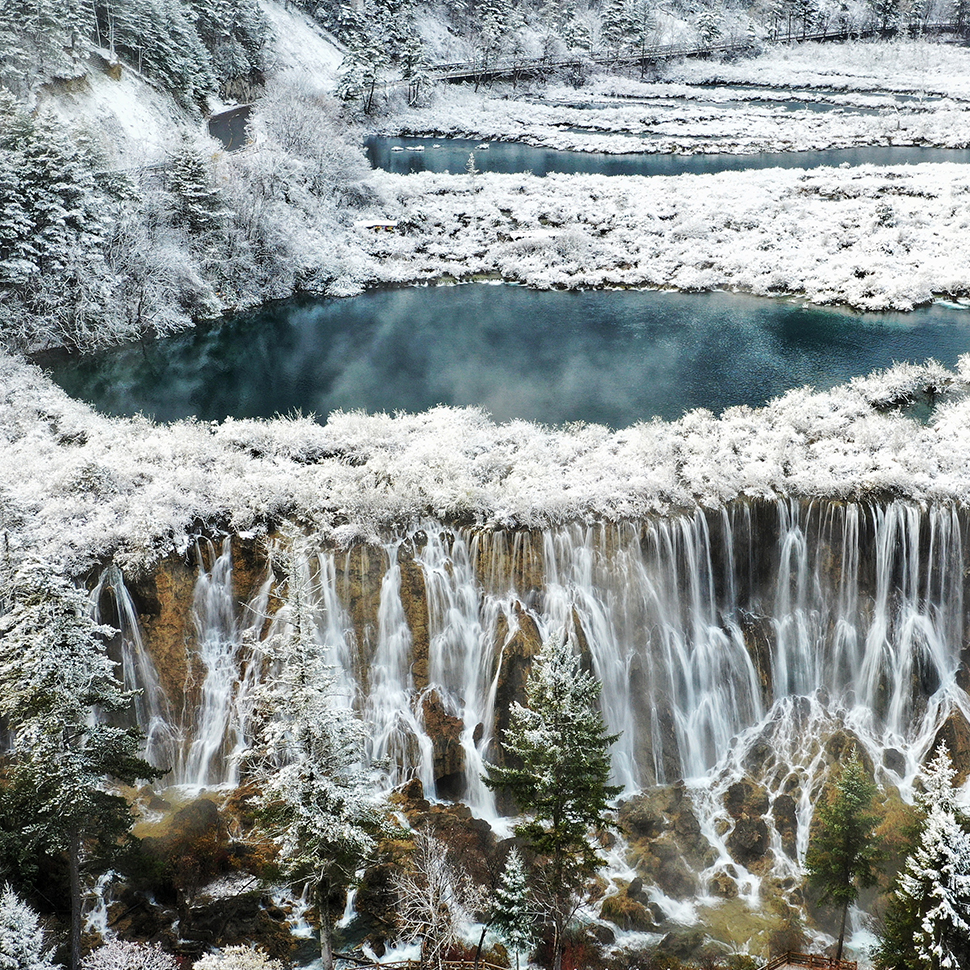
x: 74, y: 865
x: 845, y: 913
x: 326, y: 926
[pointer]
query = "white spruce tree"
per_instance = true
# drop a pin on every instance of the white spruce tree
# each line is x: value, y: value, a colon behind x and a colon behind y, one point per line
x: 57, y: 688
x: 317, y: 799
x: 21, y: 936
x: 513, y: 913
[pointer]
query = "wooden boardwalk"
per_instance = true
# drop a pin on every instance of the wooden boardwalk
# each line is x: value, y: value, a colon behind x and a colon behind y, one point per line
x: 483, y: 71
x: 811, y: 960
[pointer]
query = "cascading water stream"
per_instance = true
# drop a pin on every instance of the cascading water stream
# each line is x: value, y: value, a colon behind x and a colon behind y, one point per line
x: 152, y: 711
x: 731, y: 644
x: 217, y: 732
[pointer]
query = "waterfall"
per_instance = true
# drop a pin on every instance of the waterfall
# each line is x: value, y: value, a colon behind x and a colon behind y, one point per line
x: 718, y: 635
x: 216, y: 726
x: 151, y: 708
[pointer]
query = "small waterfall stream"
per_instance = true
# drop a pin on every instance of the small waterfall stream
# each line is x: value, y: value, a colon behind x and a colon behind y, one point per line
x: 152, y: 710
x: 216, y: 730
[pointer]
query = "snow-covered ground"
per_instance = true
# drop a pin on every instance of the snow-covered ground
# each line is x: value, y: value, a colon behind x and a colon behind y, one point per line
x: 136, y: 124
x: 874, y: 238
x: 619, y: 116
x: 79, y: 488
x: 919, y: 67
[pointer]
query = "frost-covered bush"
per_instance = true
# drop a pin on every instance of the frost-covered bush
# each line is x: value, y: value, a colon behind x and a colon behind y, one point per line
x: 124, y: 955
x: 237, y: 958
x: 21, y: 937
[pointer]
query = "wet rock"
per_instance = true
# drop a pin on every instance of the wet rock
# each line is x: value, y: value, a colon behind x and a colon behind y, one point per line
x: 721, y: 884
x: 783, y: 809
x: 602, y: 934
x: 748, y: 841
x: 746, y: 798
x: 665, y: 841
x: 627, y: 913
x: 955, y: 733
x: 894, y: 760
x: 444, y: 729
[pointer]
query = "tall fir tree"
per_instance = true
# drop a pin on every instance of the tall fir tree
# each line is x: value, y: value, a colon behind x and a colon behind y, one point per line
x: 318, y: 800
x: 557, y: 769
x: 844, y: 850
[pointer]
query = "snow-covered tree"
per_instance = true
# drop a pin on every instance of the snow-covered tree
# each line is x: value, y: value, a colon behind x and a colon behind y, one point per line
x: 928, y: 920
x: 557, y: 769
x: 317, y: 797
x: 57, y: 687
x: 513, y: 912
x: 436, y: 900
x: 21, y: 936
x: 125, y: 955
x: 237, y: 958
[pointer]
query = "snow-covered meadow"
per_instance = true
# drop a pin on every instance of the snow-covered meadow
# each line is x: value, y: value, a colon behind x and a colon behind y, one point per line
x: 79, y: 488
x: 873, y: 238
x: 901, y: 93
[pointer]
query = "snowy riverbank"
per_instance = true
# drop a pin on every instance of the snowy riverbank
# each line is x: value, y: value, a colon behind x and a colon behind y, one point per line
x: 80, y: 488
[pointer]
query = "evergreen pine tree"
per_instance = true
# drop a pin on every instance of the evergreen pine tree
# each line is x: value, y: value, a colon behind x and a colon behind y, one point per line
x: 927, y: 924
x: 317, y: 798
x: 21, y: 937
x: 844, y: 850
x: 57, y: 686
x: 557, y: 768
x: 513, y: 915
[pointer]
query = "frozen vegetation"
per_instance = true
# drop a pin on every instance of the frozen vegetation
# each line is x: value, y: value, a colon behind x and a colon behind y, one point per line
x: 81, y: 488
x: 620, y: 115
x: 874, y: 238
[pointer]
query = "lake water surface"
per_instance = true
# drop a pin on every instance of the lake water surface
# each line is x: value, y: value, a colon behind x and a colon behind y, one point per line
x: 450, y: 155
x: 613, y: 357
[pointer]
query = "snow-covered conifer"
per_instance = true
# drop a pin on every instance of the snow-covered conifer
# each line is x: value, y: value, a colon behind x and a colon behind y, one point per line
x: 317, y: 795
x: 57, y: 685
x: 21, y: 936
x: 513, y: 913
x: 125, y: 955
x: 557, y: 770
x: 928, y: 921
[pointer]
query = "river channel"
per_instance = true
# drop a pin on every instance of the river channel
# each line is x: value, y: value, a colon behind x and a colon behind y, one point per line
x: 611, y: 357
x: 404, y: 156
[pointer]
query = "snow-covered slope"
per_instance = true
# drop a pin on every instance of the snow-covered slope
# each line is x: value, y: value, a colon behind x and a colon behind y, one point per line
x: 135, y: 122
x: 301, y: 49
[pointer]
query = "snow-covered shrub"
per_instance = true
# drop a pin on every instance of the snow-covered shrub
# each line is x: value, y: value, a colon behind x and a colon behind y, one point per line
x: 21, y: 937
x: 124, y: 955
x: 237, y: 958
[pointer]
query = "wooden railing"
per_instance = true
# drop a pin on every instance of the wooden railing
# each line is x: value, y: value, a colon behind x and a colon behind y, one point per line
x: 363, y: 964
x: 811, y: 960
